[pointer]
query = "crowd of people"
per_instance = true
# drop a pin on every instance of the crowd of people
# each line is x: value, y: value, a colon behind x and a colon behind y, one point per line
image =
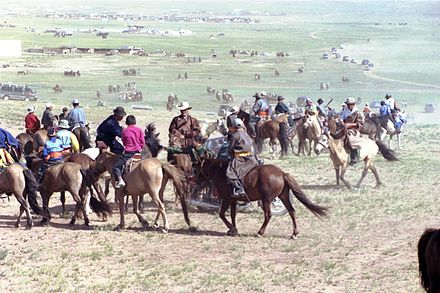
x: 63, y: 131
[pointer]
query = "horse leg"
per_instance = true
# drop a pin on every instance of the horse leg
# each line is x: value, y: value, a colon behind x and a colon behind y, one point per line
x: 284, y: 196
x: 342, y: 176
x: 267, y: 216
x: 399, y: 147
x: 364, y: 173
x: 309, y: 151
x: 107, y: 188
x: 23, y: 208
x: 79, y: 207
x: 46, y: 213
x: 155, y: 196
x: 376, y: 174
x: 63, y: 202
x: 135, y: 211
x: 337, y: 170
x: 233, y: 231
x: 226, y: 202
x: 120, y: 201
x: 161, y: 192
x: 126, y: 204
x: 141, y: 203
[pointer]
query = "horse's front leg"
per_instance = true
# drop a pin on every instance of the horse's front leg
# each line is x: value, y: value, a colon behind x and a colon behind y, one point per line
x: 120, y: 196
x: 141, y: 219
x: 226, y: 202
x: 233, y: 231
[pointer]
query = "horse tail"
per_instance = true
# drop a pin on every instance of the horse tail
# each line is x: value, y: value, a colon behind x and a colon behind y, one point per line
x: 178, y: 180
x: 31, y: 187
x: 101, y: 207
x: 316, y: 209
x: 421, y: 250
x: 386, y: 152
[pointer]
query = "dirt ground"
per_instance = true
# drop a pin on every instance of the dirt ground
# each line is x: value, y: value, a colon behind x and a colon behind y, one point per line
x: 367, y: 244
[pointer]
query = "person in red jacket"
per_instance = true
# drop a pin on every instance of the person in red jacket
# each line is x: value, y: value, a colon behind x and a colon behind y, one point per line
x: 32, y: 123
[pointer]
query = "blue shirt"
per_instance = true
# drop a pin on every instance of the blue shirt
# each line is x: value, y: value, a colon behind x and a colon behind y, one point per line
x: 384, y: 111
x: 259, y: 106
x: 64, y: 136
x: 53, y: 145
x: 77, y: 117
x: 107, y: 132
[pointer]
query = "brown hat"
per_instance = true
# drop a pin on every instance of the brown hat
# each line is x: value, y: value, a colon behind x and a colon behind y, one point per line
x: 119, y: 111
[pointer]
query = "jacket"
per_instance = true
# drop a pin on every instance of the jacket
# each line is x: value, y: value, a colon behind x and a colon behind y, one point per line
x: 7, y: 139
x: 259, y: 107
x: 77, y: 117
x: 188, y: 127
x: 68, y: 140
x: 240, y: 142
x: 107, y: 132
x: 53, y: 149
x: 282, y: 108
x: 32, y: 123
x: 47, y: 119
x: 133, y: 139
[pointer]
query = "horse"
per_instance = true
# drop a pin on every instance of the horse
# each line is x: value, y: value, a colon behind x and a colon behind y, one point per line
x: 147, y: 176
x: 20, y: 181
x: 308, y: 129
x: 26, y: 143
x: 263, y: 183
x: 207, y: 128
x: 373, y: 127
x: 40, y: 138
x: 428, y: 251
x: 83, y: 136
x: 68, y: 177
x: 268, y: 129
x: 334, y: 141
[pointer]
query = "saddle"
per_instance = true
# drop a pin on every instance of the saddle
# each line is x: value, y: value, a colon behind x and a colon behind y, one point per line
x: 130, y: 163
x: 260, y: 124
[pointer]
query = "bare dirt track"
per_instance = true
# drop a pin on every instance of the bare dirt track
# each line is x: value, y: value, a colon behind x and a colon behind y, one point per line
x: 368, y: 244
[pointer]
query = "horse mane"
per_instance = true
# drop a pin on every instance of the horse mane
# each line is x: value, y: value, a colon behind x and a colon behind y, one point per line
x: 421, y: 252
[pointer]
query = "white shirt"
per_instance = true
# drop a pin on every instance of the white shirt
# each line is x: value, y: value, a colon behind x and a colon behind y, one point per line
x: 391, y: 103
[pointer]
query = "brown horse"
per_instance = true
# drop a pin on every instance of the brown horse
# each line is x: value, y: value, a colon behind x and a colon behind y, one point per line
x: 263, y: 183
x: 429, y: 260
x: 21, y: 182
x: 310, y: 130
x: 268, y: 129
x: 26, y: 142
x: 68, y: 177
x: 147, y: 176
x: 334, y: 141
x: 40, y: 138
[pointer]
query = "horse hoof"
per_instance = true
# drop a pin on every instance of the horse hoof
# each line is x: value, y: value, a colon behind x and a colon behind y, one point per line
x: 72, y: 223
x: 120, y: 227
x: 163, y: 231
x: 156, y: 226
x: 44, y: 222
x: 294, y: 236
x: 28, y: 226
x: 17, y: 225
x: 145, y: 224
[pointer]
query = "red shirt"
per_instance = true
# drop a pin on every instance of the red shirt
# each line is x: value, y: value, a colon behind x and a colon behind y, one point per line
x: 133, y: 139
x: 32, y: 123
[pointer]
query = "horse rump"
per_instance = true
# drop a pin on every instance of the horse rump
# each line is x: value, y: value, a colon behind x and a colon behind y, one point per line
x: 316, y: 209
x: 386, y: 152
x: 31, y: 188
x: 100, y: 207
x: 429, y: 248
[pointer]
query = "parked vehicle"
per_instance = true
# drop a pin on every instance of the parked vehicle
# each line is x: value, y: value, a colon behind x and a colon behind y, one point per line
x: 345, y: 58
x: 325, y: 56
x: 354, y: 61
x: 10, y: 91
x: 429, y: 108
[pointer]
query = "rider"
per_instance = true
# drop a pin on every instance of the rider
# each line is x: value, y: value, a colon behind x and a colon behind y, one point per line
x: 243, y: 160
x: 384, y: 114
x: 232, y: 116
x: 8, y: 148
x: 68, y: 139
x: 32, y: 123
x: 109, y: 132
x: 134, y: 141
x: 260, y: 110
x: 310, y: 109
x: 64, y: 115
x: 185, y: 129
x: 52, y: 152
x: 322, y: 111
x: 48, y: 118
x: 282, y: 108
x: 353, y: 121
x: 391, y: 103
x: 77, y: 122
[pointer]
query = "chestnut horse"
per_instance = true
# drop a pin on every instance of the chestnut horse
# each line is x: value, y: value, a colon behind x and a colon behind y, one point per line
x: 20, y: 181
x: 40, y: 138
x: 147, y: 176
x: 263, y: 183
x: 429, y: 260
x: 26, y: 143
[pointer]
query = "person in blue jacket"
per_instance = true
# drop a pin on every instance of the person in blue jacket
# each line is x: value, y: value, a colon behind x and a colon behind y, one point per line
x: 52, y: 152
x: 109, y: 132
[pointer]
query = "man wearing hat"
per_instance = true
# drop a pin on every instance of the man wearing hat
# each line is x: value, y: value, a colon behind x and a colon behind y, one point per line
x: 232, y: 116
x: 391, y: 103
x: 184, y: 128
x: 68, y: 139
x: 48, y: 118
x: 52, y: 152
x: 259, y: 110
x: 77, y: 123
x: 64, y: 114
x: 310, y: 109
x: 353, y: 121
x: 32, y: 123
x: 281, y: 108
x: 243, y: 159
x: 109, y: 132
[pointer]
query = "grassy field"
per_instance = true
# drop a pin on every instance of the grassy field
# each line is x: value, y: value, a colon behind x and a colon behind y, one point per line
x: 368, y: 243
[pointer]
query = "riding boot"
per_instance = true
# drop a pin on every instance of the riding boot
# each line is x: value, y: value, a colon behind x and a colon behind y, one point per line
x: 354, y: 157
x: 237, y: 189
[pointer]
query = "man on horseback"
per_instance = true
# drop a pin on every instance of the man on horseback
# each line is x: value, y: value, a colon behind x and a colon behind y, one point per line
x: 32, y: 123
x: 109, y: 132
x: 310, y: 109
x: 64, y: 115
x: 134, y: 141
x: 282, y: 108
x: 243, y: 159
x: 384, y: 114
x: 260, y: 110
x: 231, y: 117
x: 77, y: 123
x: 48, y: 119
x: 68, y: 139
x: 353, y: 121
x: 183, y: 131
x: 9, y: 149
x: 52, y: 152
x: 389, y: 100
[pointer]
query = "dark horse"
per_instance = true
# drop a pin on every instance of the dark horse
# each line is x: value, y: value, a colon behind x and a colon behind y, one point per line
x: 269, y: 129
x: 263, y: 183
x: 429, y: 260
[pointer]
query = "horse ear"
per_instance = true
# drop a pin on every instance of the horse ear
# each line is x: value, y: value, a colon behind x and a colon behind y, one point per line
x: 157, y: 135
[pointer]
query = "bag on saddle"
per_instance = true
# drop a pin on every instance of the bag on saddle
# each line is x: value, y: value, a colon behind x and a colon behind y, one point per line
x: 131, y: 162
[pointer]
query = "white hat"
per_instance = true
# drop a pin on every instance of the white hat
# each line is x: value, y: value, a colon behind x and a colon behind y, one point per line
x: 31, y: 109
x: 75, y: 101
x: 184, y: 106
x: 64, y: 124
x: 350, y: 101
x: 235, y: 109
x: 49, y: 105
x: 262, y: 93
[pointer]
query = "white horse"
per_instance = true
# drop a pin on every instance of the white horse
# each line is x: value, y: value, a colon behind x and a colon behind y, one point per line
x: 392, y: 131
